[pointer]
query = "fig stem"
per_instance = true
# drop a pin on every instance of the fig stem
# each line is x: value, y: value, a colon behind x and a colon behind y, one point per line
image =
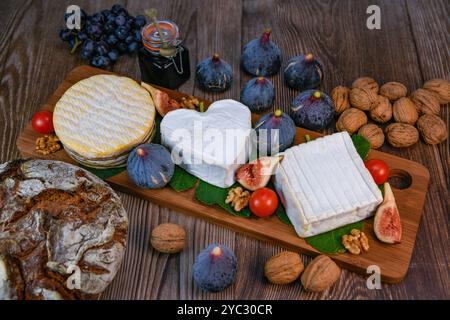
x: 215, y: 57
x: 140, y: 152
x: 260, y: 80
x: 278, y: 113
x: 216, y: 251
x: 317, y: 95
x: 309, y: 57
x: 266, y: 36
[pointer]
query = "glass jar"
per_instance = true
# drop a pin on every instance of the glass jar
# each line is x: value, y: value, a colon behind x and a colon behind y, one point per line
x: 169, y: 71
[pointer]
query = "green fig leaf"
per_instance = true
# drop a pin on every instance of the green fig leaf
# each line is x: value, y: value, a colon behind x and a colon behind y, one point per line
x: 182, y: 180
x: 362, y: 145
x: 212, y: 195
x: 281, y: 214
x: 331, y: 242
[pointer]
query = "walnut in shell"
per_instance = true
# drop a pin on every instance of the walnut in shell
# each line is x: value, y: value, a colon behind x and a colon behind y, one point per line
x: 284, y: 267
x: 432, y: 129
x: 320, y: 274
x: 351, y: 120
x: 340, y: 96
x: 441, y: 89
x: 168, y: 238
x: 367, y: 83
x: 363, y: 99
x: 382, y: 112
x: 405, y: 111
x: 401, y: 135
x: 373, y: 134
x: 426, y: 102
x: 393, y: 90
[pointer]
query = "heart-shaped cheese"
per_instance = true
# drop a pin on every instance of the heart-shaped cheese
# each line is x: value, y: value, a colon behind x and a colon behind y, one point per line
x: 210, y: 145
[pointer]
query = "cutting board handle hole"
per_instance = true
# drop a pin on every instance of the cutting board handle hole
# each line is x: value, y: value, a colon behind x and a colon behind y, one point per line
x: 400, y: 179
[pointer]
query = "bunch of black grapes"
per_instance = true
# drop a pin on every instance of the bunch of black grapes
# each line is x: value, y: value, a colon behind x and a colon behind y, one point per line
x: 105, y: 35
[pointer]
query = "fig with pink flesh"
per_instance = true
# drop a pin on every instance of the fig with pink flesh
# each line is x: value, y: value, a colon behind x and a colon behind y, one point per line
x: 256, y: 174
x: 387, y: 224
x: 163, y: 103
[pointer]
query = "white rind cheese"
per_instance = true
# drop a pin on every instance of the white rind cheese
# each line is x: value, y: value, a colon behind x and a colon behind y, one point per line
x: 103, y: 116
x: 325, y: 185
x: 205, y: 142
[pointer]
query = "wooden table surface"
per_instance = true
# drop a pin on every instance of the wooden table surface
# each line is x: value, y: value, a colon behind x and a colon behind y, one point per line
x: 412, y: 46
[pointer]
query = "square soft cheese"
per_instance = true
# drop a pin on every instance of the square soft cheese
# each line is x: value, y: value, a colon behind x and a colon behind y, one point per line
x: 211, y: 145
x: 324, y: 185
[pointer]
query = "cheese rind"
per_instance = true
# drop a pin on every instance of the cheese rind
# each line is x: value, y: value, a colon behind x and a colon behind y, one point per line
x: 211, y: 145
x: 324, y: 185
x: 103, y: 116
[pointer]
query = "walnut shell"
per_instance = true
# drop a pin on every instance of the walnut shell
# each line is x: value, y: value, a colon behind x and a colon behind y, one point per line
x: 405, y: 111
x: 373, y: 134
x: 426, y: 102
x: 367, y: 83
x: 168, y: 238
x: 441, y: 89
x: 351, y: 120
x: 284, y: 267
x: 363, y: 98
x: 401, y: 135
x: 382, y: 112
x: 432, y: 128
x: 393, y: 90
x: 340, y: 96
x: 320, y: 274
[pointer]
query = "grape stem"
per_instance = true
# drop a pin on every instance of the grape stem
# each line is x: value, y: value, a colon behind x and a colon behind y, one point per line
x: 76, y: 44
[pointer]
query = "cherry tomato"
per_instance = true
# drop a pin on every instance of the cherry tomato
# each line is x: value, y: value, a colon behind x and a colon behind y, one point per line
x: 42, y: 122
x: 263, y: 202
x: 378, y: 169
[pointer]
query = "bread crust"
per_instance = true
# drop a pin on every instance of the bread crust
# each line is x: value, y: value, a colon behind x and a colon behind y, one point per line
x: 55, y: 217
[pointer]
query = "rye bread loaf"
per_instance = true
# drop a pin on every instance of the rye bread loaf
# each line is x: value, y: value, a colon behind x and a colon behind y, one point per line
x: 56, y: 218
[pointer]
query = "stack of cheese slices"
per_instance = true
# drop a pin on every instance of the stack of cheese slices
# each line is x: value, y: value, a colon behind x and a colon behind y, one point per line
x: 99, y: 120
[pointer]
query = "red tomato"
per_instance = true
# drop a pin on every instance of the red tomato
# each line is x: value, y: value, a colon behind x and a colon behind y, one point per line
x: 263, y: 202
x: 378, y: 169
x: 42, y: 122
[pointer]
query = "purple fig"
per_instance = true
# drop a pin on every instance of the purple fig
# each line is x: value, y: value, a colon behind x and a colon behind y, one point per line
x: 312, y: 110
x: 258, y: 94
x: 261, y: 56
x: 214, y: 74
x: 303, y: 72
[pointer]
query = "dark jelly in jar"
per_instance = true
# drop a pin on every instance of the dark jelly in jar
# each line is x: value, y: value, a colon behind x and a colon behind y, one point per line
x: 158, y: 67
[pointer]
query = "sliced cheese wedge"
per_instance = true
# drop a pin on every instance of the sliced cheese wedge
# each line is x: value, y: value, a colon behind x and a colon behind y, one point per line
x: 324, y: 185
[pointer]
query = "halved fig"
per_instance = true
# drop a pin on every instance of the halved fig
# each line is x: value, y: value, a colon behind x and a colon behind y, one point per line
x: 162, y: 101
x: 256, y: 174
x: 387, y: 224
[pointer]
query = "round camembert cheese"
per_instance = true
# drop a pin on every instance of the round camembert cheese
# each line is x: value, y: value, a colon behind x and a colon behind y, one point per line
x: 104, y: 116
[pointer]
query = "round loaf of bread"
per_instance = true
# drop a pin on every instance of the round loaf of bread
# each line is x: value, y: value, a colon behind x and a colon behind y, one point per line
x: 62, y: 231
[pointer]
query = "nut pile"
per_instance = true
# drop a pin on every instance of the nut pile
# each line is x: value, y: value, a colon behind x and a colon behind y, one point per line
x: 238, y: 198
x: 48, y: 144
x: 286, y: 267
x: 356, y: 242
x: 411, y: 115
x: 192, y: 102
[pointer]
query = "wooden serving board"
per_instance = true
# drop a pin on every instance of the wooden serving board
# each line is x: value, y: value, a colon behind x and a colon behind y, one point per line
x: 393, y: 260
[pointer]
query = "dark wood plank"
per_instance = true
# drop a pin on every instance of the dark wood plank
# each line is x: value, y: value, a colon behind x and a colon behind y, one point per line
x: 430, y: 261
